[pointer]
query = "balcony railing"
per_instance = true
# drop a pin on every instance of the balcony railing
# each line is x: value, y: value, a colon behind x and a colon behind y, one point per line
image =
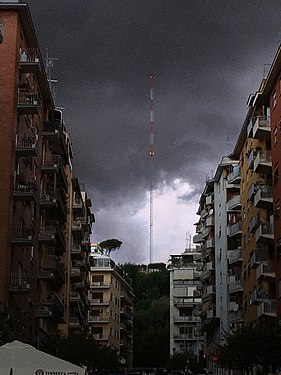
x: 53, y: 163
x: 28, y: 102
x: 29, y: 55
x: 235, y: 286
x: 235, y: 229
x: 22, y: 235
x: 257, y: 257
x: 234, y: 203
x: 27, y: 145
x: 52, y: 269
x: 96, y: 319
x: 265, y: 269
x: 261, y: 128
x: 25, y: 188
x: 234, y: 256
x: 209, y: 199
x: 264, y: 232
x: 235, y: 176
x: 210, y: 243
x: 263, y: 197
x: 258, y: 295
x: 20, y: 283
x: 267, y: 308
x: 262, y: 162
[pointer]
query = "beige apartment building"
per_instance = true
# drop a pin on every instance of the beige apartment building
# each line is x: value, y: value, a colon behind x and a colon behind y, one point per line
x: 110, y: 314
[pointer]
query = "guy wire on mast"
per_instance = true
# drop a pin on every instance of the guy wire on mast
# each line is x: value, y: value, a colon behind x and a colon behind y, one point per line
x: 151, y: 154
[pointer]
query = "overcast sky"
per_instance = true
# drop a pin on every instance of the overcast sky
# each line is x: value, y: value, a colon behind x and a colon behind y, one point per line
x: 208, y: 56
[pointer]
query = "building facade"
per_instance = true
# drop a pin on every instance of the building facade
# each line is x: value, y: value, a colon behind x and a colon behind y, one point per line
x: 185, y: 299
x: 36, y: 213
x: 110, y: 316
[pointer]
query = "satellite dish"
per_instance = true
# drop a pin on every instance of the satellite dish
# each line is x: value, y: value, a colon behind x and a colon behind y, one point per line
x: 211, y: 211
x: 123, y: 361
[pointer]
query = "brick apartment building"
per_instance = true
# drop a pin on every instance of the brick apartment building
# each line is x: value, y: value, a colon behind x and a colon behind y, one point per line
x: 45, y: 217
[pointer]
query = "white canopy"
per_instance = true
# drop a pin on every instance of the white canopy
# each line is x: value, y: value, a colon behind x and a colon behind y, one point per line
x: 17, y: 358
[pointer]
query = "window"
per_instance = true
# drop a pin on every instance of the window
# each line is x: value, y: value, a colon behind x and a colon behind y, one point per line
x: 274, y: 99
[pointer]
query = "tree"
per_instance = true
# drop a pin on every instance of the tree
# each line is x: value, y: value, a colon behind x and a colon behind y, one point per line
x: 105, y: 247
x: 249, y: 346
x: 81, y: 350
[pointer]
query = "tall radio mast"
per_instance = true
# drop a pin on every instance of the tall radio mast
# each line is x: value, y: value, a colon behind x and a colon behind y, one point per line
x: 151, y: 154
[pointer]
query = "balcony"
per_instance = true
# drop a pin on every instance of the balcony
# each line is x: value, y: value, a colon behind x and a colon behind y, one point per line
x: 210, y: 221
x: 77, y: 226
x: 209, y: 199
x: 77, y: 204
x: 197, y: 238
x: 75, y: 297
x: 74, y: 322
x: 257, y: 257
x: 53, y: 309
x: 264, y: 233
x: 205, y: 232
x: 53, y: 199
x: 22, y: 235
x: 99, y: 302
x: 234, y: 204
x: 98, y: 319
x: 265, y: 270
x: 236, y: 316
x: 262, y: 162
x: 25, y: 189
x: 126, y: 312
x: 75, y: 273
x: 258, y: 296
x: 204, y: 213
x: 261, y: 128
x: 54, y: 132
x: 234, y: 256
x: 77, y: 251
x: 53, y: 164
x: 235, y: 286
x: 100, y: 337
x: 235, y: 176
x: 28, y: 103
x: 27, y: 145
x: 20, y: 283
x: 52, y: 270
x: 210, y: 243
x: 29, y: 61
x: 234, y: 230
x: 52, y: 234
x: 253, y: 224
x: 267, y: 308
x: 263, y: 197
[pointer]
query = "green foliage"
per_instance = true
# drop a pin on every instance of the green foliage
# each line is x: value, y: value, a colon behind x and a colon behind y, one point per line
x: 109, y: 245
x: 151, y: 315
x: 81, y: 350
x: 248, y: 347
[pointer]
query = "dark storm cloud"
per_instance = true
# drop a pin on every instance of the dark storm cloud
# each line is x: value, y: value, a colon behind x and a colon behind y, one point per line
x: 208, y: 56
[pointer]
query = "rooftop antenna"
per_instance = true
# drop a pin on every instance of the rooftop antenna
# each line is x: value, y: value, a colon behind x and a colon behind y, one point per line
x: 152, y: 78
x: 49, y: 64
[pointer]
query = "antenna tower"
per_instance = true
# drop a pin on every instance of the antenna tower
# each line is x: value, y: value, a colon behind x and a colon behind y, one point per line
x: 151, y: 154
